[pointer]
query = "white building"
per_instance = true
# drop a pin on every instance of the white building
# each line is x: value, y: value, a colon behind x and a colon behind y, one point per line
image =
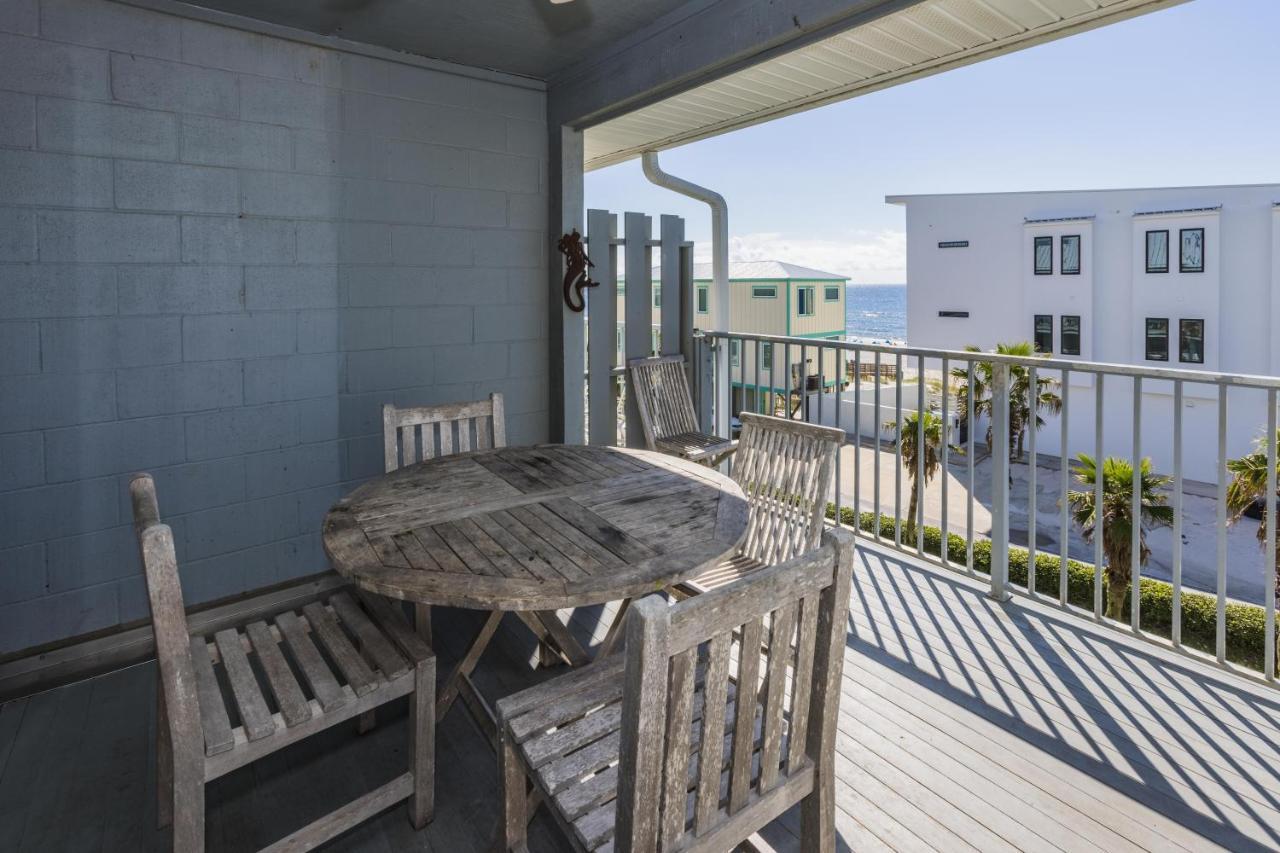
x: 1185, y: 277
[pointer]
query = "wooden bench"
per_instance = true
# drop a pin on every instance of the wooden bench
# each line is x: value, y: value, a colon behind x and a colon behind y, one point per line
x: 355, y: 652
x: 655, y: 749
x: 785, y: 469
x: 667, y: 417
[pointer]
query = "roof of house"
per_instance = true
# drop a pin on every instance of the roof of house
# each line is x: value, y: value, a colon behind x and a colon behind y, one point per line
x: 767, y: 271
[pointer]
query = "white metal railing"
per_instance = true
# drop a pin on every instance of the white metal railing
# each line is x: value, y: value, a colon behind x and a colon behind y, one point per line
x: 1253, y: 404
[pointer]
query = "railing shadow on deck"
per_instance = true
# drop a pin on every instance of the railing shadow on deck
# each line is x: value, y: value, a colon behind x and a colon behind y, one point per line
x: 1183, y: 741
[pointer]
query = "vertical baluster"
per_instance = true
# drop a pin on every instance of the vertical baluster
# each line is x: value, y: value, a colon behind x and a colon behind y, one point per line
x: 822, y: 381
x: 755, y: 397
x: 1221, y: 634
x: 857, y: 440
x: 969, y: 452
x: 897, y: 450
x: 875, y: 459
x: 1135, y: 538
x: 1033, y: 394
x: 918, y: 521
x: 840, y: 373
x: 1269, y: 567
x: 1176, y: 629
x: 946, y: 456
x: 1064, y: 471
x: 786, y: 378
x: 1000, y: 450
x: 1097, y: 495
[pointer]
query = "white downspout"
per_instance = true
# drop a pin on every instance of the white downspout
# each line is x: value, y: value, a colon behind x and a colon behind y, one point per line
x: 719, y: 267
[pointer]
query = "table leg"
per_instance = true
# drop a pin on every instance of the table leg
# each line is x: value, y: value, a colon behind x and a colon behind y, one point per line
x: 563, y: 638
x: 615, y: 630
x: 462, y: 671
x: 548, y: 654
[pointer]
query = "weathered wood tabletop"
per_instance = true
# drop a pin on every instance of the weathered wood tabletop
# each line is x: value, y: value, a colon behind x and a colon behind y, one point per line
x: 535, y: 528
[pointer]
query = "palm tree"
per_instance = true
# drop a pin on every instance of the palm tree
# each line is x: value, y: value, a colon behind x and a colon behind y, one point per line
x: 1248, y: 486
x: 1117, y: 517
x: 1025, y: 403
x: 909, y: 447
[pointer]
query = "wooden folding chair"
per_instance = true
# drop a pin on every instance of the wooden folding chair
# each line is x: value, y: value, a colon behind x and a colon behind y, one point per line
x: 371, y: 656
x: 667, y: 417
x: 785, y: 468
x: 656, y: 749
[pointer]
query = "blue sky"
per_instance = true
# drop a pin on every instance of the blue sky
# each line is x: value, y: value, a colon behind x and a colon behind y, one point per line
x: 1185, y: 96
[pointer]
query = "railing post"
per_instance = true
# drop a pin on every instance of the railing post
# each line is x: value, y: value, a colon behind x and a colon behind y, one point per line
x: 1000, y: 481
x: 704, y: 377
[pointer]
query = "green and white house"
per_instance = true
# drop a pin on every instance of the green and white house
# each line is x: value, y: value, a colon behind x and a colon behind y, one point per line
x: 771, y: 298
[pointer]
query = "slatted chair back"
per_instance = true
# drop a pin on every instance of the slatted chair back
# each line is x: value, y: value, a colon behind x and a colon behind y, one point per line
x: 776, y: 639
x: 661, y: 390
x: 785, y: 469
x: 425, y: 432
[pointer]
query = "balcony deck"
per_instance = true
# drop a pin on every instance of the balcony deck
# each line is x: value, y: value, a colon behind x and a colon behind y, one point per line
x: 965, y: 725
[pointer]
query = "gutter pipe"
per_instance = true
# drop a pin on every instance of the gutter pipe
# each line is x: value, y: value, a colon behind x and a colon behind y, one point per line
x: 719, y: 265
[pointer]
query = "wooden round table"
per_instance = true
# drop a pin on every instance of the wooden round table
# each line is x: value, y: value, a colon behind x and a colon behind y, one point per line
x: 533, y: 530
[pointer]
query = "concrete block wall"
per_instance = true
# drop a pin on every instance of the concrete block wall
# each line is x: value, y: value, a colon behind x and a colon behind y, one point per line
x: 220, y: 253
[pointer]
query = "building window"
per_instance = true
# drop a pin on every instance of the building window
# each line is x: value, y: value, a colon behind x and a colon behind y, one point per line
x: 1070, y: 254
x: 804, y: 301
x: 1044, y: 256
x: 831, y: 293
x: 1157, y: 339
x: 1044, y: 333
x: 1070, y: 334
x: 1191, y: 256
x: 734, y: 347
x: 702, y: 300
x: 766, y: 356
x: 657, y: 297
x: 1191, y: 341
x: 1157, y: 251
x: 766, y: 291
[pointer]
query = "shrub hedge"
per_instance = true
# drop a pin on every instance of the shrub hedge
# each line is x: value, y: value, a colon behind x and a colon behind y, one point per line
x: 1246, y: 623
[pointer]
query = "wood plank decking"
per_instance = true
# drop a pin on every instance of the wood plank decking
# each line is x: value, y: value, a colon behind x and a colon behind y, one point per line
x: 965, y: 725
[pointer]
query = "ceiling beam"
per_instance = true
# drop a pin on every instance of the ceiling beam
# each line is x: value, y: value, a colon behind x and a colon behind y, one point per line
x: 700, y: 41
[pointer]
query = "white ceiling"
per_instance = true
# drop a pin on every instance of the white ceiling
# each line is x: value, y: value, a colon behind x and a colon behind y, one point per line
x: 533, y: 38
x: 922, y: 39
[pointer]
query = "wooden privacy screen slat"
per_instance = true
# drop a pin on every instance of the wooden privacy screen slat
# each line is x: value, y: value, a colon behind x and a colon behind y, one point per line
x: 400, y: 425
x: 661, y: 757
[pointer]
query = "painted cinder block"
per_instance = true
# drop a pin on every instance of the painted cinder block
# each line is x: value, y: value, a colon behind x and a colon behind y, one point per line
x: 56, y: 290
x: 106, y: 130
x: 427, y: 164
x: 51, y: 512
x: 17, y: 120
x: 235, y: 240
x: 235, y: 432
x: 20, y: 16
x: 46, y: 68
x: 19, y: 347
x: 355, y: 155
x: 294, y: 469
x: 318, y: 331
x: 217, y: 337
x: 178, y: 388
x: 482, y: 208
x: 42, y: 620
x: 471, y: 363
x: 105, y: 555
x: 175, y: 187
x: 344, y: 243
x: 280, y: 288
x: 215, y: 46
x: 509, y: 323
x: 232, y: 528
x: 417, y: 245
x: 17, y: 235
x: 294, y: 104
x: 223, y: 142
x: 173, y: 86
x: 21, y: 462
x: 290, y: 195
x: 191, y: 486
x: 99, y: 237
x: 387, y: 201
x: 293, y: 377
x: 54, y: 180
x: 377, y: 370
x: 435, y: 326
x: 45, y: 400
x: 504, y: 172
x: 24, y: 574
x: 100, y: 343
x: 96, y: 450
x: 112, y: 26
x: 180, y: 289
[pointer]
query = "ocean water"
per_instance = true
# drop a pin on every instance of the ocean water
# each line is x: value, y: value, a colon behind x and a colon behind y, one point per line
x: 876, y: 312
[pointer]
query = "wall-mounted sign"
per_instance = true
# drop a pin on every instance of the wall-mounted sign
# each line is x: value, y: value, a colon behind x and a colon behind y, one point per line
x: 954, y: 244
x: 953, y: 313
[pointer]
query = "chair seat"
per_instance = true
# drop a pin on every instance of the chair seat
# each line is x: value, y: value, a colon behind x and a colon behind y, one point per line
x: 726, y: 572
x: 568, y: 733
x: 354, y: 652
x: 695, y: 446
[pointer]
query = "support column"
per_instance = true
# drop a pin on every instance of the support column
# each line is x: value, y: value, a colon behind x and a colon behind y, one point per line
x: 566, y: 338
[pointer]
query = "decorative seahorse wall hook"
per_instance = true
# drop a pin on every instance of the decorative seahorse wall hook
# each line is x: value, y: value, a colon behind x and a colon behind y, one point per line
x: 575, y: 274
